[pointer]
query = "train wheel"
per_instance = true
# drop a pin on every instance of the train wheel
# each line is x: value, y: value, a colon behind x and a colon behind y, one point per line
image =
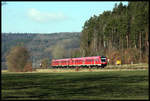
x: 102, y: 67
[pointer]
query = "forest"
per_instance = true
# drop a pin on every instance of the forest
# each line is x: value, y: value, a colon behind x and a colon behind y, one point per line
x: 119, y: 34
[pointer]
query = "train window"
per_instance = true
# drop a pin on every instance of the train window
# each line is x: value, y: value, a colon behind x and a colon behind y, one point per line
x: 103, y: 59
x: 96, y: 60
x: 88, y: 60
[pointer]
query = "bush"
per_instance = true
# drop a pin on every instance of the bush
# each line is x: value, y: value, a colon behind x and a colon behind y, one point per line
x: 114, y: 56
x: 45, y: 63
x: 131, y: 55
x: 127, y: 56
x: 28, y: 67
x: 17, y: 59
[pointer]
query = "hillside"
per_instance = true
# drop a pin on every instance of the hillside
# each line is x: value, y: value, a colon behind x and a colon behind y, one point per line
x: 40, y: 45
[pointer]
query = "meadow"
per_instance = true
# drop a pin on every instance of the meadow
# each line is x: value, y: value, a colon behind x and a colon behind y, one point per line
x: 106, y: 85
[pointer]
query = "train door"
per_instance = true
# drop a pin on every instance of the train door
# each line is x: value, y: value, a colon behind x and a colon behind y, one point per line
x: 95, y: 62
x: 67, y: 63
x: 92, y: 61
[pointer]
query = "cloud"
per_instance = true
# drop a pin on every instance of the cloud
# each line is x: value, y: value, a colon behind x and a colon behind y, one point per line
x: 39, y: 16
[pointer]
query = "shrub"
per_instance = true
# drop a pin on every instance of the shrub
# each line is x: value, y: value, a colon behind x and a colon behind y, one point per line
x: 114, y: 56
x: 127, y: 56
x: 131, y: 55
x: 45, y: 63
x: 28, y: 67
x: 17, y: 59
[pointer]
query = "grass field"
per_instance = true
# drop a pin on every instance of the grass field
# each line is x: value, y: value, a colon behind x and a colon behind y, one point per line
x: 107, y: 85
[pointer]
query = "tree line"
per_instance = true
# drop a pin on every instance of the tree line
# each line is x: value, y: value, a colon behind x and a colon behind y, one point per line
x: 119, y: 34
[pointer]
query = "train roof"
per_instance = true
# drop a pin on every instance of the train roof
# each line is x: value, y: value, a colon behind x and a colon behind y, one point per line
x: 87, y: 57
x: 80, y: 58
x: 60, y: 59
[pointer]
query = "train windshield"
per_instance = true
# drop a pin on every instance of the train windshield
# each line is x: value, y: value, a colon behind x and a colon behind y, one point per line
x: 103, y: 59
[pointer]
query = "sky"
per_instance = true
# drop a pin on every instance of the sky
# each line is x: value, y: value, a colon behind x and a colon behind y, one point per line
x: 50, y: 17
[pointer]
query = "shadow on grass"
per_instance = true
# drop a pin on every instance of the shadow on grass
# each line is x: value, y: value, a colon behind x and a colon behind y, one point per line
x: 74, y: 85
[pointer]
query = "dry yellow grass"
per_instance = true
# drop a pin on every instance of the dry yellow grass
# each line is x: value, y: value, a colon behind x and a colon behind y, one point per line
x: 108, y: 68
x: 71, y: 70
x: 80, y: 70
x: 4, y: 71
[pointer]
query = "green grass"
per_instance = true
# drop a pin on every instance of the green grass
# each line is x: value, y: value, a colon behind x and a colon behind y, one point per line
x: 107, y: 85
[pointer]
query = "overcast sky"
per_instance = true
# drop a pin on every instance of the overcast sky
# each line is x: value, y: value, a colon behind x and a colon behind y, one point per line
x: 50, y: 17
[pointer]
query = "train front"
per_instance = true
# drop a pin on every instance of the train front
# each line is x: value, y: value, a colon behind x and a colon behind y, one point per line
x: 103, y: 61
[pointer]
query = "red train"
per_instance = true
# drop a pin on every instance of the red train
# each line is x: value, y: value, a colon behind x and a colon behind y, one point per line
x: 94, y: 61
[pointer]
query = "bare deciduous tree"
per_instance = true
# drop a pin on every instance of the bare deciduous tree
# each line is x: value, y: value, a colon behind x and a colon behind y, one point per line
x: 17, y: 59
